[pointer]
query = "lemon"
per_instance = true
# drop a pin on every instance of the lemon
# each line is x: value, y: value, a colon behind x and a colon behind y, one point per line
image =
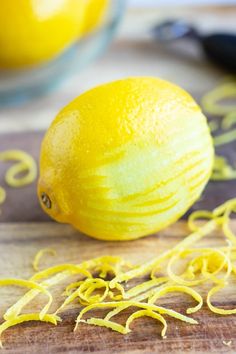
x: 125, y: 159
x: 32, y: 31
x: 94, y: 15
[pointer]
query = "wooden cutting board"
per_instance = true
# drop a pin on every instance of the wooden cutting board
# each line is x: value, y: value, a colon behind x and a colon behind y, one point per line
x: 24, y: 229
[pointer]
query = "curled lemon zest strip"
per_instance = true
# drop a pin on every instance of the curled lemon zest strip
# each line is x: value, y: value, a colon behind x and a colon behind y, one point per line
x: 183, y: 289
x: 210, y: 100
x: 149, y: 313
x: 40, y: 254
x: 87, y: 288
x: 12, y: 312
x: 229, y: 120
x: 69, y: 289
x: 222, y: 170
x: 225, y: 138
x: 213, y: 308
x: 198, y: 215
x: 26, y: 164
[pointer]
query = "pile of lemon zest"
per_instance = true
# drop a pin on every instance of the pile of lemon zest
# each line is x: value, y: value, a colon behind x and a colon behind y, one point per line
x: 210, y: 100
x: 26, y: 164
x: 11, y: 313
x: 131, y: 303
x: 149, y: 313
x: 83, y: 292
x: 204, y: 263
x: 40, y: 254
x: 26, y: 318
x: 214, y: 265
x: 148, y: 266
x: 63, y: 272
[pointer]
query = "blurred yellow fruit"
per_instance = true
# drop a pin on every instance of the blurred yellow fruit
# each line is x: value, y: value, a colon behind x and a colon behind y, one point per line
x: 33, y: 31
x: 125, y: 159
x: 95, y: 13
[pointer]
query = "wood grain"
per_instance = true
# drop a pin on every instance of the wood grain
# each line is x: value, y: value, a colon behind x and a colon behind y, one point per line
x: 18, y: 244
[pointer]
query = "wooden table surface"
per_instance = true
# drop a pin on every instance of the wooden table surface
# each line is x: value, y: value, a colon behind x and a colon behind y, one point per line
x: 24, y: 228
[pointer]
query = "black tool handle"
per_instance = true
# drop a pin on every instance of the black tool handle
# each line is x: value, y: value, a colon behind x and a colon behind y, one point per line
x: 218, y: 47
x: 221, y: 49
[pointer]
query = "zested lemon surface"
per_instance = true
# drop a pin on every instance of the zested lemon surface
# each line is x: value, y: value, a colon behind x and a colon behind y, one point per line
x: 125, y: 159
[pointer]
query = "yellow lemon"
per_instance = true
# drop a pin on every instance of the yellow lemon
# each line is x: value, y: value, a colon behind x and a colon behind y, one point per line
x: 94, y: 15
x: 125, y: 159
x: 32, y: 31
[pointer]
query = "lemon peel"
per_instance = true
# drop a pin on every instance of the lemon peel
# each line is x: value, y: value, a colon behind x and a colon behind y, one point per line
x: 210, y: 101
x: 149, y: 313
x: 225, y: 138
x: 222, y: 169
x: 176, y: 288
x: 11, y: 313
x: 130, y: 303
x: 26, y: 164
x: 40, y: 254
x: 71, y: 268
x: 148, y: 266
x: 215, y: 309
x: 229, y: 120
